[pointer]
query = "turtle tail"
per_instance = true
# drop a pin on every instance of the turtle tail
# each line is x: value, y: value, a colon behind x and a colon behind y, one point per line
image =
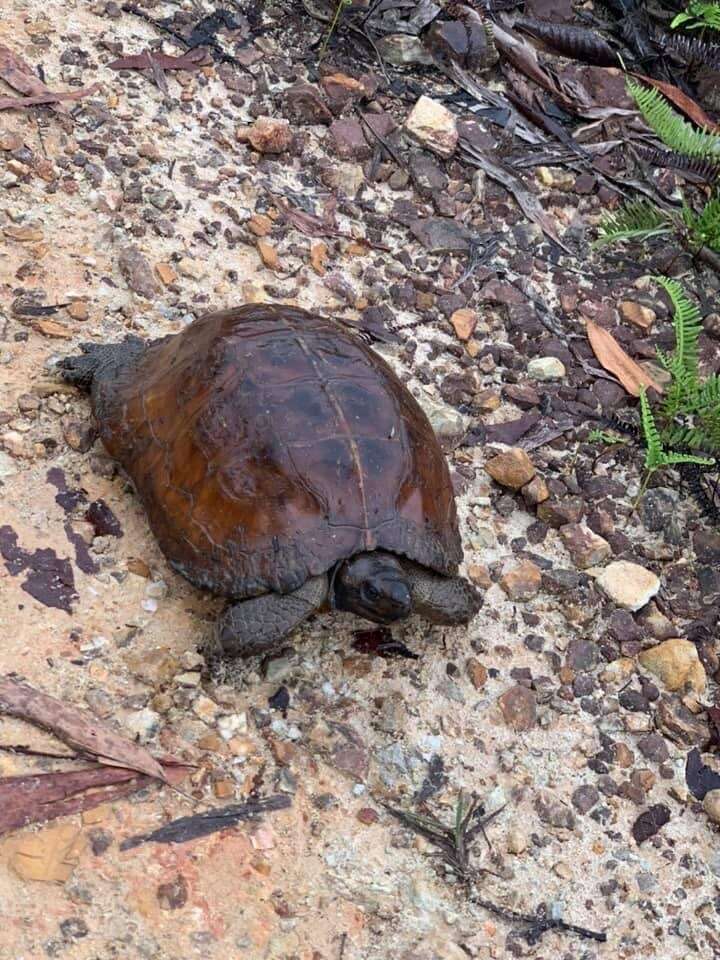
x: 95, y: 358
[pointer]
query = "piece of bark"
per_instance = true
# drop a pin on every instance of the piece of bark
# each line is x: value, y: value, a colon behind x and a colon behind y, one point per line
x: 79, y: 730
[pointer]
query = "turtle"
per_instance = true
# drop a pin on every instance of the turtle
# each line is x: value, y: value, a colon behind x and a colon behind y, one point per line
x: 282, y: 465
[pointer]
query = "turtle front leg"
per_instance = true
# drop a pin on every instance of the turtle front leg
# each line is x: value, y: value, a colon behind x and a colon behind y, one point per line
x: 254, y: 626
x: 442, y: 600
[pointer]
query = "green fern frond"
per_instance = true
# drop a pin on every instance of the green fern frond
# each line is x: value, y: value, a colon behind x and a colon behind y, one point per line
x: 670, y: 127
x: 704, y: 227
x: 653, y: 443
x: 636, y: 220
x: 655, y: 454
x: 672, y: 458
x: 688, y: 326
x: 604, y: 436
x: 699, y: 14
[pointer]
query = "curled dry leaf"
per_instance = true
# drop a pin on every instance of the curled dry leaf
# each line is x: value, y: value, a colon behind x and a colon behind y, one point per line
x: 578, y: 43
x: 192, y: 60
x: 21, y: 77
x: 76, y: 728
x: 614, y: 359
x: 21, y: 103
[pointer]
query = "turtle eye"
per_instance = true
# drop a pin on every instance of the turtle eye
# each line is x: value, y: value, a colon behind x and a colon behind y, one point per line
x: 371, y: 592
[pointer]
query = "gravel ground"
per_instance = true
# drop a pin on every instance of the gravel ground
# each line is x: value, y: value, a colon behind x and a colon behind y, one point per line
x: 568, y: 706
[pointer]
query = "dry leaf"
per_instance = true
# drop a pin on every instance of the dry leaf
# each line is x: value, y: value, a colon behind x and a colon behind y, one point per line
x: 20, y: 76
x: 192, y: 60
x: 20, y: 103
x: 681, y: 100
x: 76, y: 728
x: 50, y: 856
x: 615, y: 360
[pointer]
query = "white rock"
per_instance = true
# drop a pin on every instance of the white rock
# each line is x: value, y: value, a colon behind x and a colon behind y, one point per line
x: 231, y: 725
x: 144, y: 724
x: 14, y: 443
x: 628, y: 584
x: 546, y: 368
x: 189, y: 679
x: 434, y: 126
x: 205, y: 708
x: 8, y: 467
x: 516, y: 840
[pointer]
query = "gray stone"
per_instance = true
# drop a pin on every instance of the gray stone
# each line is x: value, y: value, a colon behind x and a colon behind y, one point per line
x: 585, y: 797
x: 440, y: 235
x: 400, y: 49
x: 137, y: 272
x: 659, y: 513
x: 552, y: 811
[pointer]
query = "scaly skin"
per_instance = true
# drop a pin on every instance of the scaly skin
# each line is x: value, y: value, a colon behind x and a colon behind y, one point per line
x: 255, y: 626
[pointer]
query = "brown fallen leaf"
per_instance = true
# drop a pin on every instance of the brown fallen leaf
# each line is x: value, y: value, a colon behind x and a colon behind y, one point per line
x: 614, y: 359
x: 682, y: 101
x: 192, y: 60
x: 50, y: 856
x: 20, y: 103
x: 78, y: 729
x: 21, y: 77
x: 577, y: 43
x: 41, y: 797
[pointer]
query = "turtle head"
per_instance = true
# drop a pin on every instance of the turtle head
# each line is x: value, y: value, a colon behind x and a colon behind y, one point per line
x: 374, y: 586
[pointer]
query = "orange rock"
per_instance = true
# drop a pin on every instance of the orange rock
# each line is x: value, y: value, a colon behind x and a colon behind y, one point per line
x: 78, y: 310
x: 50, y: 328
x: 10, y: 141
x: 268, y: 254
x: 224, y: 789
x: 165, y: 273
x: 318, y: 256
x: 260, y: 225
x: 464, y: 322
x: 479, y: 574
x: 22, y: 234
x: 270, y: 135
x: 523, y: 582
x: 477, y: 673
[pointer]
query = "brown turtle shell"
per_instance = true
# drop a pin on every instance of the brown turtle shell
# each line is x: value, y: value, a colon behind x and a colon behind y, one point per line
x: 267, y: 444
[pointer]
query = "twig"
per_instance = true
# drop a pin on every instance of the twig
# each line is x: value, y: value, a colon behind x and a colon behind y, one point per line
x: 480, y: 253
x: 539, y: 923
x: 382, y: 141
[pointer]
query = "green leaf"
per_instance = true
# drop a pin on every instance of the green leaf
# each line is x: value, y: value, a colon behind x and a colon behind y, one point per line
x: 635, y: 220
x: 670, y: 126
